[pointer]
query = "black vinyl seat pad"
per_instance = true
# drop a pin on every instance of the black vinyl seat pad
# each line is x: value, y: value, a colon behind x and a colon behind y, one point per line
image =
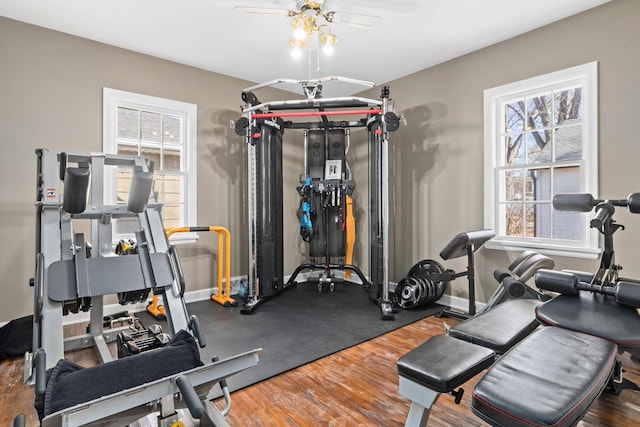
x: 551, y: 378
x: 594, y: 314
x: 500, y: 328
x: 442, y: 363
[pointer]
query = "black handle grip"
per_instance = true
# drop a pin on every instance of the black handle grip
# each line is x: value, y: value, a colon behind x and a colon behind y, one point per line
x: 190, y: 397
x: 41, y: 372
x: 18, y: 421
x: 194, y: 323
x: 634, y: 203
x: 604, y: 211
x: 63, y: 165
x: 582, y: 202
x: 628, y: 293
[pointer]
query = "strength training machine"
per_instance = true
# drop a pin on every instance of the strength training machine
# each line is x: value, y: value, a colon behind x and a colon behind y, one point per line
x: 73, y: 274
x: 587, y: 325
x: 325, y: 185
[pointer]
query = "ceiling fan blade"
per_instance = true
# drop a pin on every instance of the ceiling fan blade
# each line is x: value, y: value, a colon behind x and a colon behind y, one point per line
x: 356, y: 19
x: 261, y: 10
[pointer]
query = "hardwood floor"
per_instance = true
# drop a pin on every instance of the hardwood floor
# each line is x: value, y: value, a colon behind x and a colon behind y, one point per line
x: 355, y: 387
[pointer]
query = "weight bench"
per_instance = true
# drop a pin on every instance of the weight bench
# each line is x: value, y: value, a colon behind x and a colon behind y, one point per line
x: 550, y: 379
x: 444, y: 362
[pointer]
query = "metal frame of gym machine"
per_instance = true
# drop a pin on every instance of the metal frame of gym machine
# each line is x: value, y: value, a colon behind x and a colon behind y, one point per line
x: 262, y: 125
x: 69, y: 278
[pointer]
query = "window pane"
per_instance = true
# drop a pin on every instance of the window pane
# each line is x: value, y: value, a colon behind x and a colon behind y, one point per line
x: 514, y: 149
x: 172, y: 189
x: 172, y: 126
x: 568, y: 105
x: 167, y: 188
x: 151, y: 126
x: 539, y: 112
x: 127, y: 123
x: 514, y: 219
x: 514, y: 117
x: 538, y: 220
x: 171, y: 215
x: 152, y: 153
x: 538, y: 147
x: 171, y: 160
x: 512, y: 185
x: 538, y: 185
x: 123, y: 182
x: 568, y: 143
x: 567, y: 225
x: 127, y: 150
x: 566, y: 180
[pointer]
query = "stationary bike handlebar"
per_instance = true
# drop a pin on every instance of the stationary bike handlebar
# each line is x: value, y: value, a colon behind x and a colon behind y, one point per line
x: 625, y: 292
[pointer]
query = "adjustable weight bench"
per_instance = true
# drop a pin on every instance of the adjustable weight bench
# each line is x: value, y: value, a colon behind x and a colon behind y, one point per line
x: 550, y: 379
x: 445, y: 362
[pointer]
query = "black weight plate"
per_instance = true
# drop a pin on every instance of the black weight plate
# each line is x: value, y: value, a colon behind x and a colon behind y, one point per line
x: 408, y: 293
x: 425, y: 268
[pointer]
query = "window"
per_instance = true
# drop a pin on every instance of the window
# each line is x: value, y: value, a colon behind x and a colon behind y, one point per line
x: 541, y: 140
x: 164, y: 131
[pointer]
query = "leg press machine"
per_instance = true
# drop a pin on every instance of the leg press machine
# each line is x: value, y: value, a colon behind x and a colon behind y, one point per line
x: 74, y: 274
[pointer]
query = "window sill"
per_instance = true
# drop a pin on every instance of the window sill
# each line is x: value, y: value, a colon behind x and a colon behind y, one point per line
x: 544, y: 248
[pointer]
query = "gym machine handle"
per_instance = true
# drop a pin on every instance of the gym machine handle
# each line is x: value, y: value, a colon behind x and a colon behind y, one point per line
x: 625, y: 292
x: 584, y: 202
x: 41, y: 372
x: 190, y: 396
x: 18, y: 421
x: 604, y: 212
x: 194, y: 325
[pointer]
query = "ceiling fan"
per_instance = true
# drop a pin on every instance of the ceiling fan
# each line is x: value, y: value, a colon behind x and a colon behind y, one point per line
x: 312, y: 17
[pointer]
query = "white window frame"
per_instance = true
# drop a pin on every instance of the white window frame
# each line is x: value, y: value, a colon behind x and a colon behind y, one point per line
x: 587, y: 76
x: 112, y: 99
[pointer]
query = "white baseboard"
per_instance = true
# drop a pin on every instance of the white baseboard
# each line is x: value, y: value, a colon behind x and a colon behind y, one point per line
x: 458, y: 304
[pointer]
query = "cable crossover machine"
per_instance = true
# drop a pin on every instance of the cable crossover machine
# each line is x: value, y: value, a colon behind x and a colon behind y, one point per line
x: 325, y: 187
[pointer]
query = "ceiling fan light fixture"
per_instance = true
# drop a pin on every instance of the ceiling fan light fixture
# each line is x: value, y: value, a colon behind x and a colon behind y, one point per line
x: 299, y: 34
x: 297, y: 22
x: 327, y: 49
x: 328, y: 39
x: 296, y: 43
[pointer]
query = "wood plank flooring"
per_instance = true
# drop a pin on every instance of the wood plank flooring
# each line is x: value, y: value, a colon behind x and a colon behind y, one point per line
x: 355, y: 387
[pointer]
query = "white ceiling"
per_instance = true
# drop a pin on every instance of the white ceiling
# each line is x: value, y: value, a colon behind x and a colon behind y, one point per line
x: 410, y: 35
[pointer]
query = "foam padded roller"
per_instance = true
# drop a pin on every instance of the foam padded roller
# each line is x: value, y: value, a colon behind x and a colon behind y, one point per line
x: 76, y: 186
x: 628, y: 293
x: 582, y: 202
x: 557, y: 281
x: 634, y: 203
x: 458, y: 245
x: 141, y: 183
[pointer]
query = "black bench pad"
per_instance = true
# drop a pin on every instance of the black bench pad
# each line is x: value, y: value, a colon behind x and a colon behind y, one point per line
x: 442, y: 363
x: 594, y: 314
x: 551, y: 378
x: 500, y: 328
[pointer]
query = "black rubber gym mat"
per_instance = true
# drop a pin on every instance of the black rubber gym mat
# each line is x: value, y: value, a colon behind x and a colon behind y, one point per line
x: 295, y: 328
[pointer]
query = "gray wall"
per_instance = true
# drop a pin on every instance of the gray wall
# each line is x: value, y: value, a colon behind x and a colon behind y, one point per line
x: 51, y: 96
x: 439, y: 155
